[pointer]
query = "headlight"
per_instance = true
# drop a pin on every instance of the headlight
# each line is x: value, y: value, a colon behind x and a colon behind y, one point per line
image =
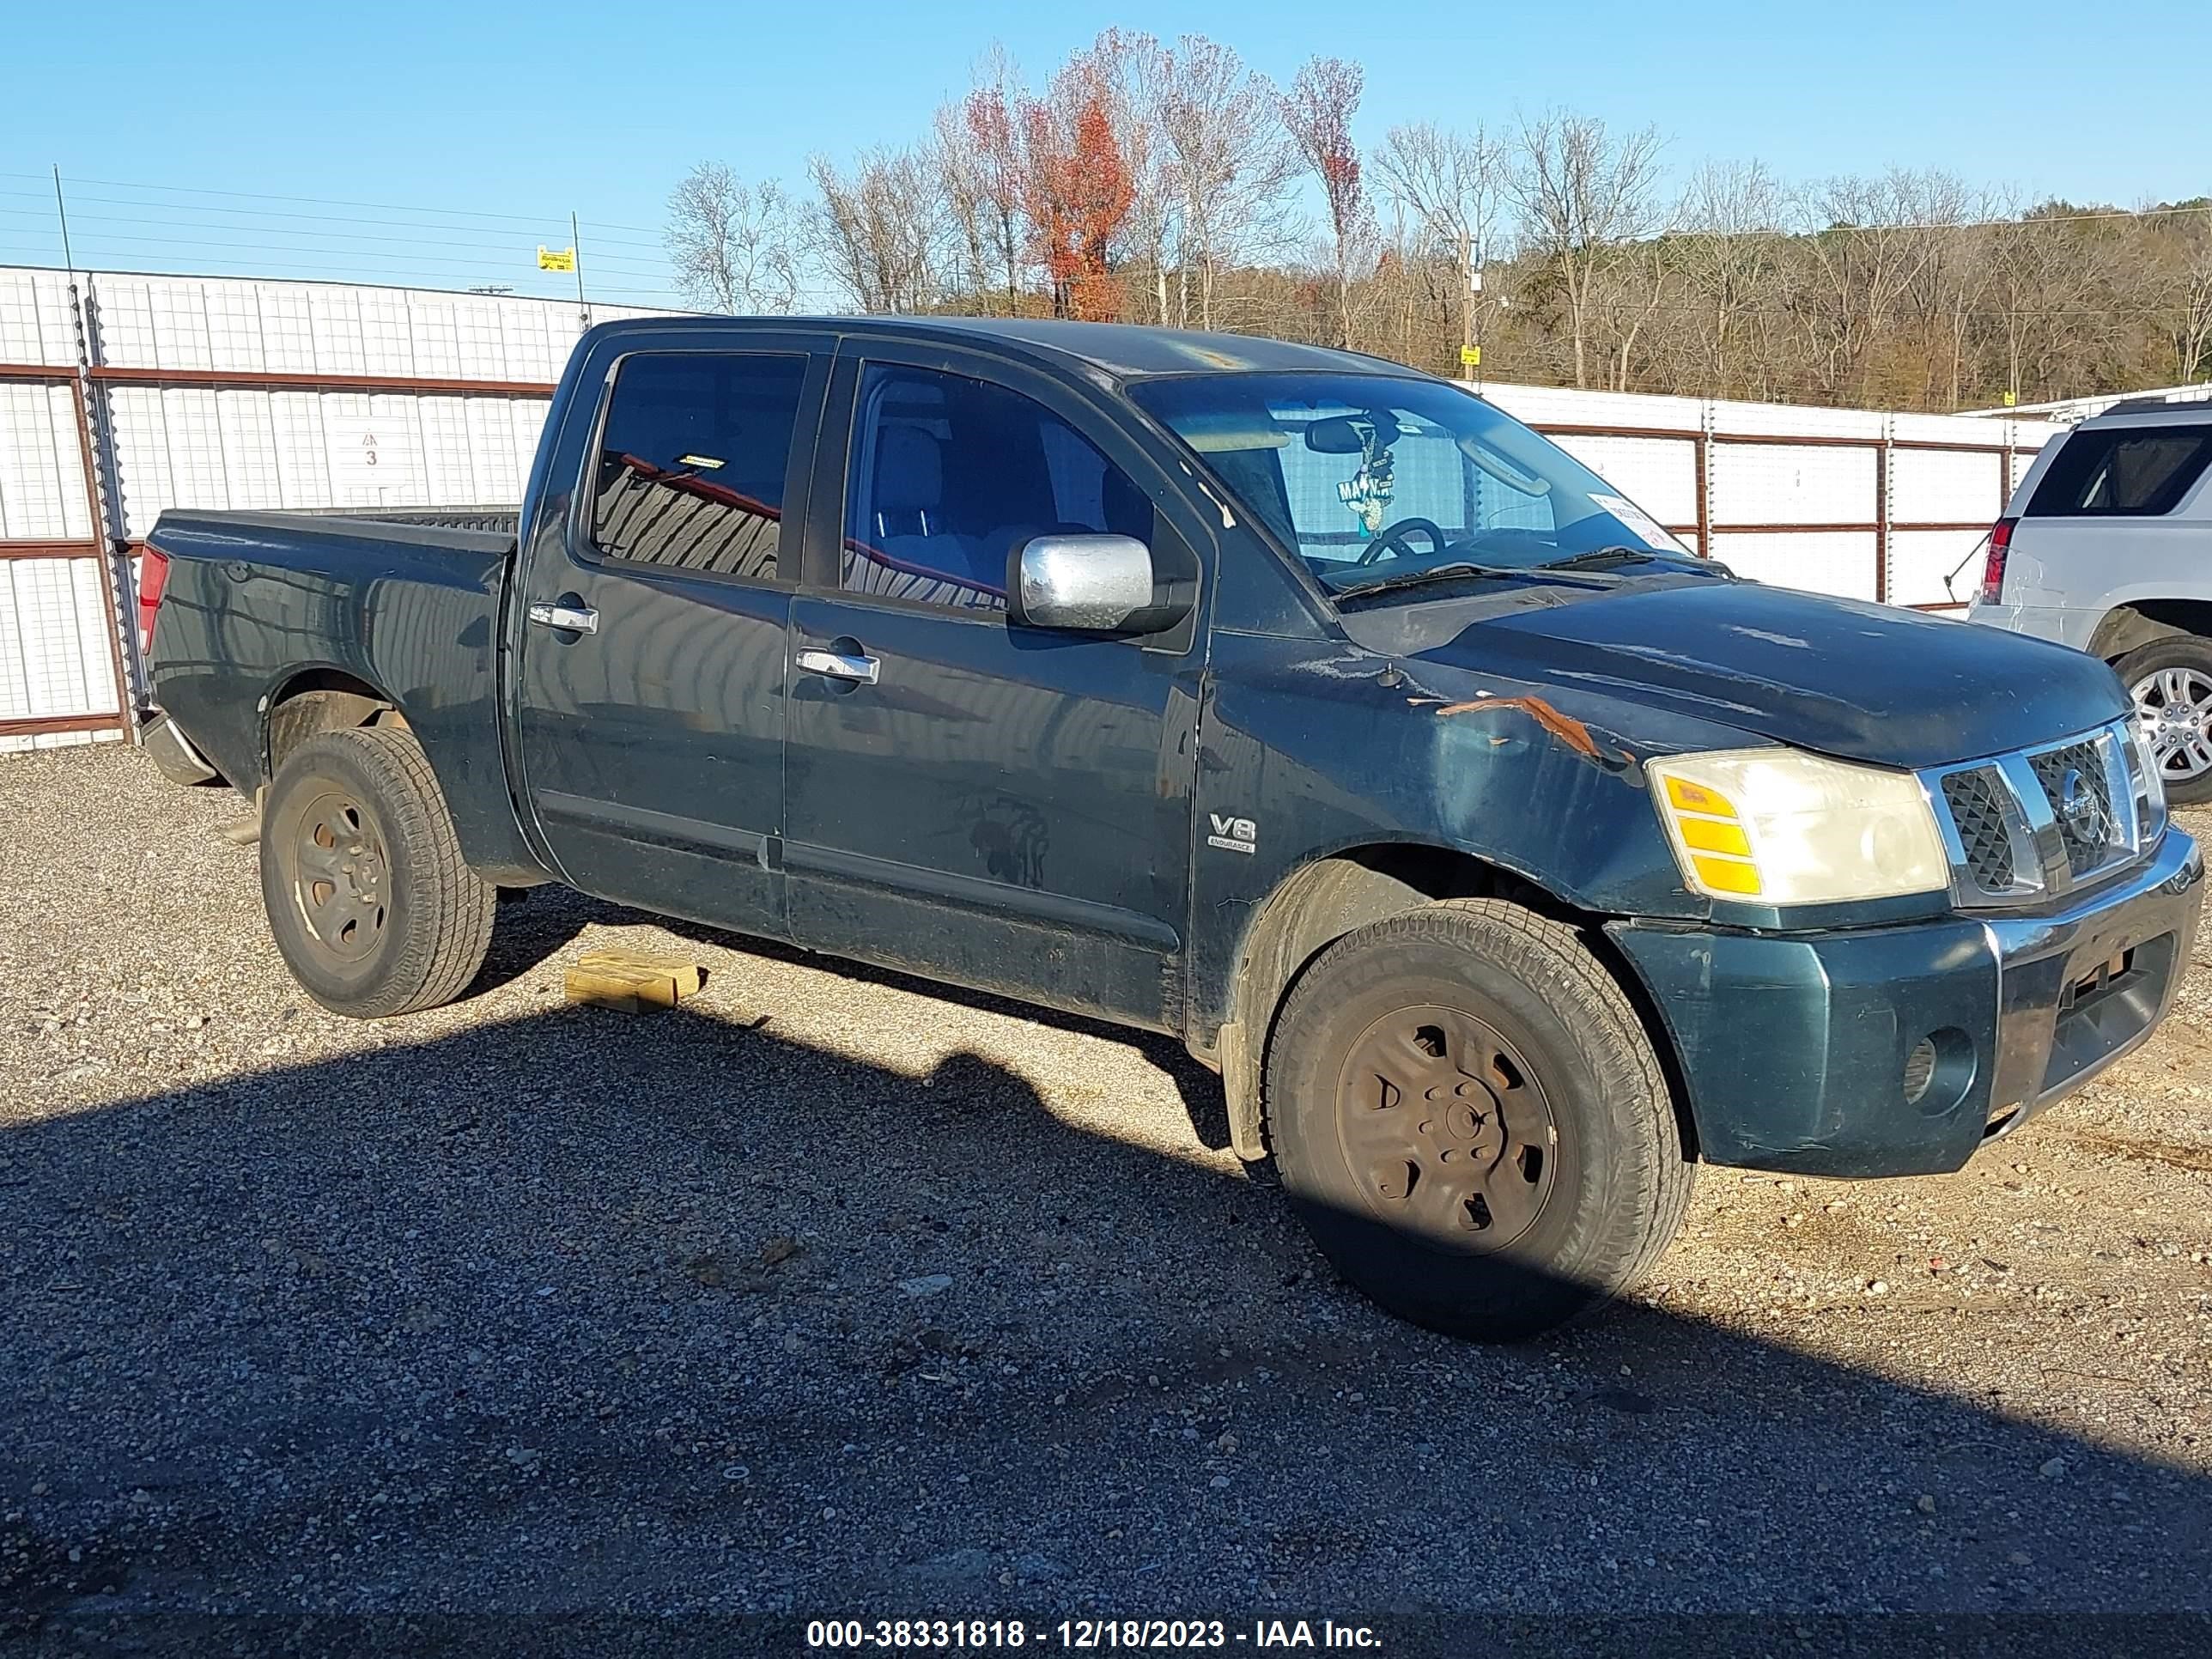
x: 1780, y: 827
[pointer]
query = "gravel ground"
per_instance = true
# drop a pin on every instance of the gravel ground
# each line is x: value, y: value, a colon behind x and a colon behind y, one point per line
x: 835, y: 1294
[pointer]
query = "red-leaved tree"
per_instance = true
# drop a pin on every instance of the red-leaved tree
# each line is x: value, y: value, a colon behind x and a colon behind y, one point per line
x: 1078, y: 192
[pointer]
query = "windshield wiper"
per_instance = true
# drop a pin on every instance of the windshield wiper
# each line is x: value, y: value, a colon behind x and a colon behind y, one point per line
x: 1600, y: 558
x: 1435, y: 573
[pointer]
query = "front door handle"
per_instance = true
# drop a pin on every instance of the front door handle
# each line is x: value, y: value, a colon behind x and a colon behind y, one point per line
x: 857, y: 668
x: 574, y: 618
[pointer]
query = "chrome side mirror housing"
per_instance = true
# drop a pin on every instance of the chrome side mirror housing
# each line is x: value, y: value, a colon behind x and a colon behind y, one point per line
x: 1088, y: 584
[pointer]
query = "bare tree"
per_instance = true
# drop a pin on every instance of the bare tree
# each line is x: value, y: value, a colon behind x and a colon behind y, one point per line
x: 2185, y: 295
x: 1581, y: 188
x: 1727, y: 248
x: 734, y: 246
x: 1232, y: 164
x: 877, y: 231
x: 1318, y: 113
x: 2045, y: 286
x: 1878, y: 235
x: 990, y: 128
x: 1453, y: 184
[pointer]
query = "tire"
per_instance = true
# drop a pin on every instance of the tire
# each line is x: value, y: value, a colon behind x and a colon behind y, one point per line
x: 2173, y: 674
x: 1550, y: 1110
x: 368, y: 899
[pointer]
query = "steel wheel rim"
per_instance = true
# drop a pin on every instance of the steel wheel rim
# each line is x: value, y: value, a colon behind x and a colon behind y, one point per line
x: 341, y: 877
x: 2174, y: 710
x: 1446, y: 1129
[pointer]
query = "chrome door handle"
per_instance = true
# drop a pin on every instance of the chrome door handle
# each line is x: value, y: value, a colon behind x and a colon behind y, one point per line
x: 839, y: 667
x: 574, y: 618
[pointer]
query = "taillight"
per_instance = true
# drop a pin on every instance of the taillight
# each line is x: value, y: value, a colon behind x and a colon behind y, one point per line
x: 1993, y: 567
x: 153, y: 577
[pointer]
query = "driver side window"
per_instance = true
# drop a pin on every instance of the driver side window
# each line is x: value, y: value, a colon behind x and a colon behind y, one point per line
x: 949, y: 474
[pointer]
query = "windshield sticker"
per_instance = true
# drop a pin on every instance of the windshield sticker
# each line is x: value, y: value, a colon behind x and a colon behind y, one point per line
x: 1641, y: 523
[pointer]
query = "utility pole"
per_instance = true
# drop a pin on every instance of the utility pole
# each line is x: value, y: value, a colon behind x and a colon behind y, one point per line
x: 576, y: 242
x: 61, y: 212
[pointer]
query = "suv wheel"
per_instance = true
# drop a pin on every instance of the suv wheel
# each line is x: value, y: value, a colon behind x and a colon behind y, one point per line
x: 362, y: 875
x: 1468, y: 1115
x: 2170, y: 681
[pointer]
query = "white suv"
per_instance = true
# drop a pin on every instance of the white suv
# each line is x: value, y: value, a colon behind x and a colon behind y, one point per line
x: 2106, y: 546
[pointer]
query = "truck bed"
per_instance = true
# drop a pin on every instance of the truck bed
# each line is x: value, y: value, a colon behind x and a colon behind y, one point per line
x: 405, y: 605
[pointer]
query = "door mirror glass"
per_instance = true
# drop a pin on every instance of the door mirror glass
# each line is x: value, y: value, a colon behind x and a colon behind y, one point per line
x: 1094, y: 584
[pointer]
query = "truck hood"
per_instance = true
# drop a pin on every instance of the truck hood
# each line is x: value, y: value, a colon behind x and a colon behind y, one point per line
x: 1862, y: 682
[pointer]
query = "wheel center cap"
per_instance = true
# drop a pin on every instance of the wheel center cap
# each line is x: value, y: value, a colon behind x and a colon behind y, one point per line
x: 1464, y: 1119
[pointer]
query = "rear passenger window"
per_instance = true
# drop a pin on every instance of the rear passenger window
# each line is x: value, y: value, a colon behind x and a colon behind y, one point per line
x: 692, y: 458
x: 2131, y: 471
x: 949, y: 474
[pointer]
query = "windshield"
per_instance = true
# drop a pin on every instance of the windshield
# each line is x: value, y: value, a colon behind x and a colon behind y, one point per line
x: 1373, y: 481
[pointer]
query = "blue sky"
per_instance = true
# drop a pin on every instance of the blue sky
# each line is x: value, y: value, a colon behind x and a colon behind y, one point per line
x: 504, y: 117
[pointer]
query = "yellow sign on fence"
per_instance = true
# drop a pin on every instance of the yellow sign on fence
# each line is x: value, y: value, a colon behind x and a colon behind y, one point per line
x: 556, y: 258
x: 1471, y: 356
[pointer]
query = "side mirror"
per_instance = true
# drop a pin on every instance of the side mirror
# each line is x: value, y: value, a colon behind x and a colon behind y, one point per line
x: 1088, y: 584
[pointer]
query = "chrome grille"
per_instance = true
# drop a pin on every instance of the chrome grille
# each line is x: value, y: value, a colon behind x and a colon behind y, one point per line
x: 2044, y: 821
x: 1976, y: 802
x: 2080, y: 795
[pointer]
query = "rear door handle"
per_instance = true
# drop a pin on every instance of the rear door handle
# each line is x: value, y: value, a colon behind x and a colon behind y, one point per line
x: 577, y: 619
x: 837, y: 665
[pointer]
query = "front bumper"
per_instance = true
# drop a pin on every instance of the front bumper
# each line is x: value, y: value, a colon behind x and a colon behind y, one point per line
x: 1794, y: 1049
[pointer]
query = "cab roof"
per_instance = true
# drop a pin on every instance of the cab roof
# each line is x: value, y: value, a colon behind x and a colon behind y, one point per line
x: 1120, y: 350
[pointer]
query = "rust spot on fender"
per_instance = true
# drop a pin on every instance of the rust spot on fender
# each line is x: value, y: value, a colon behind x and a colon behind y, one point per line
x: 1567, y: 729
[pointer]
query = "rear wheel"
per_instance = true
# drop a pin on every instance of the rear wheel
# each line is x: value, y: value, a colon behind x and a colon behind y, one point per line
x: 2170, y: 681
x: 1471, y: 1121
x: 367, y: 897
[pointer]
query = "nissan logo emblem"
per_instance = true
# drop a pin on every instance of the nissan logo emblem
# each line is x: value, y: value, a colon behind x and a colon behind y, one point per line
x: 2078, y: 809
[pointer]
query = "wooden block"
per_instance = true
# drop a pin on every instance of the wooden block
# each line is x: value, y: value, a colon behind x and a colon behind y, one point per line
x: 627, y: 990
x: 682, y: 971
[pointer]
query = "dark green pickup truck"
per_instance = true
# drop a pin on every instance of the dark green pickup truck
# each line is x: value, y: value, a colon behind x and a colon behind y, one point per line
x: 1504, y: 860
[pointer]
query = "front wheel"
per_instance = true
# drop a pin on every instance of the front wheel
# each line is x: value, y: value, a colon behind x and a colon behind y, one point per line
x: 2170, y: 681
x: 1471, y: 1121
x: 369, y: 901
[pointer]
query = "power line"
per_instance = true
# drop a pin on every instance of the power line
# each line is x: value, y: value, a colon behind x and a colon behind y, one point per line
x: 321, y: 201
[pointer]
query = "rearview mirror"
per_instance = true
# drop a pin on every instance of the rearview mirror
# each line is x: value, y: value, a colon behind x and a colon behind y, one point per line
x: 1340, y: 435
x: 1092, y: 584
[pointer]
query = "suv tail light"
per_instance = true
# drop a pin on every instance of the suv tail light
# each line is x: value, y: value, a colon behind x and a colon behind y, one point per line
x: 1993, y: 567
x: 153, y: 578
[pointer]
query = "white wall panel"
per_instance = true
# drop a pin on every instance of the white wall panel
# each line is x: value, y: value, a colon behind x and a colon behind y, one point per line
x: 1774, y: 484
x: 42, y: 496
x: 287, y: 328
x: 35, y: 323
x: 246, y: 427
x: 336, y: 315
x: 1945, y: 486
x: 180, y: 325
x: 54, y: 655
x: 1841, y: 564
x: 1660, y: 475
x: 1920, y: 559
x: 295, y: 423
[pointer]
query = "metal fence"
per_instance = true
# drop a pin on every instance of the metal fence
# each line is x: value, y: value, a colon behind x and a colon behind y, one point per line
x: 122, y: 394
x: 1859, y: 503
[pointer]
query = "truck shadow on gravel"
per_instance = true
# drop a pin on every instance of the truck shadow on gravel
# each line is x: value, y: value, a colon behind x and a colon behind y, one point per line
x: 538, y: 924
x: 585, y: 1314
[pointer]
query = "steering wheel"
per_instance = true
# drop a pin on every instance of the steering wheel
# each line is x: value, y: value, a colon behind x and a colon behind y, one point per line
x: 1393, y: 535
